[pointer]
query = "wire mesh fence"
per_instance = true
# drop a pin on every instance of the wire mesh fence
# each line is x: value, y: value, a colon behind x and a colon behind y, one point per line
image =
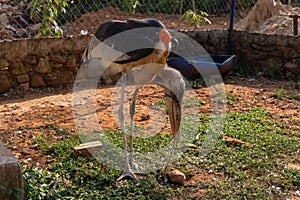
x: 31, y: 18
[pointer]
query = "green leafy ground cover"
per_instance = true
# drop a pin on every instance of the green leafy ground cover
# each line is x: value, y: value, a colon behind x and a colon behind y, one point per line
x: 241, y: 172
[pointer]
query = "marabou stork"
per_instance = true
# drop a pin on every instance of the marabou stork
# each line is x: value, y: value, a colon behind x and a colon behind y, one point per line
x: 142, y: 65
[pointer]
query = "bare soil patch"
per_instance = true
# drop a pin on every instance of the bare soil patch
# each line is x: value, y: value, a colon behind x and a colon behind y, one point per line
x: 91, y: 21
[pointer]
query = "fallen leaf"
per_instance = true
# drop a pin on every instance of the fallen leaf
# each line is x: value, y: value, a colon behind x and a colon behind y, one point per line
x: 237, y: 141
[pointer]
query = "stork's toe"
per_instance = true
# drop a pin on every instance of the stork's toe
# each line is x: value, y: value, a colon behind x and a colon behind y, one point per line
x: 132, y: 175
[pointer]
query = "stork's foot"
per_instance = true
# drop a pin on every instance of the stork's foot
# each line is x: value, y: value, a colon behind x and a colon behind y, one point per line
x: 131, y: 174
x: 133, y: 165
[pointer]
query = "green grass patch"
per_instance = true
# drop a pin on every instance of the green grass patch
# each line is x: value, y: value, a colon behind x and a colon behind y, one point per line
x: 256, y: 172
x: 196, y: 82
x: 280, y: 94
x: 142, y: 144
x: 160, y: 102
x: 244, y: 68
x: 231, y: 99
x: 193, y: 102
x: 295, y: 97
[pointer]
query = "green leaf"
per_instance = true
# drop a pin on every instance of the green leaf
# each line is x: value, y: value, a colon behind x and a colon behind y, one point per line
x: 64, y: 4
x: 50, y: 10
x: 195, y: 18
x: 55, y: 12
x: 2, y: 187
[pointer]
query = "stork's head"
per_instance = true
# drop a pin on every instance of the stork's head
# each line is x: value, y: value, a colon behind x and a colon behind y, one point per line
x: 166, y: 42
x: 166, y: 38
x: 174, y: 91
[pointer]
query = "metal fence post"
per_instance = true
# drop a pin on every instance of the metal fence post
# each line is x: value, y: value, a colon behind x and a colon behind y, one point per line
x: 232, y: 8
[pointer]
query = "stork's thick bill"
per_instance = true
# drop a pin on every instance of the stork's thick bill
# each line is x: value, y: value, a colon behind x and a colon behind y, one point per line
x: 174, y: 111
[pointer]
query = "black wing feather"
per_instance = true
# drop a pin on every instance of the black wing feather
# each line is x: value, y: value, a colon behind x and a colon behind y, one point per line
x: 107, y: 30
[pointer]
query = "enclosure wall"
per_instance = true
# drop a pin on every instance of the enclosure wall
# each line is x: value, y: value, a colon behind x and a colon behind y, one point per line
x: 41, y: 62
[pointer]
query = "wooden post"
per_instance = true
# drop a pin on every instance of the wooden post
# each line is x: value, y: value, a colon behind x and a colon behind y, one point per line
x: 88, y: 148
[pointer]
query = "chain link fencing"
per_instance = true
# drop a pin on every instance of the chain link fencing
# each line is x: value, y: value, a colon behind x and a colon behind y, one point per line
x: 32, y: 18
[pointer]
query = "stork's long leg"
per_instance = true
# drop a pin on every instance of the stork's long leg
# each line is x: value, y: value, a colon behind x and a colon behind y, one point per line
x: 127, y: 169
x: 128, y: 160
x: 132, y: 112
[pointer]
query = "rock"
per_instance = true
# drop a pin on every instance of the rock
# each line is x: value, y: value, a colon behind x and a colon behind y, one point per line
x: 59, y: 77
x: 23, y: 78
x: 71, y: 62
x: 4, y: 64
x: 5, y: 83
x: 202, y: 37
x: 292, y: 67
x: 43, y: 66
x: 21, y: 33
x: 35, y: 27
x: 293, y: 166
x: 29, y: 59
x: 11, y: 174
x: 22, y: 4
x: 19, y: 68
x: 5, y: 33
x: 52, y: 76
x: 10, y: 27
x: 75, y: 70
x: 79, y: 45
x: 56, y: 65
x: 24, y: 86
x: 58, y: 58
x: 30, y: 32
x: 37, y: 81
x: 42, y: 53
x: 4, y: 1
x: 177, y: 176
x: 4, y: 20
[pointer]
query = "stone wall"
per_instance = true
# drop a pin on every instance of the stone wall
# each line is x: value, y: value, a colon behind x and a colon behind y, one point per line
x: 213, y: 41
x: 263, y: 51
x: 267, y: 51
x: 40, y: 62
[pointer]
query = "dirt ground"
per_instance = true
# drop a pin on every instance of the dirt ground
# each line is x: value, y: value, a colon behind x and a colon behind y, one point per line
x: 91, y: 21
x: 48, y: 111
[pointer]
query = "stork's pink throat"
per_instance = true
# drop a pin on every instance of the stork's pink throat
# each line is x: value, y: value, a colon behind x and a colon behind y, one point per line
x: 165, y: 37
